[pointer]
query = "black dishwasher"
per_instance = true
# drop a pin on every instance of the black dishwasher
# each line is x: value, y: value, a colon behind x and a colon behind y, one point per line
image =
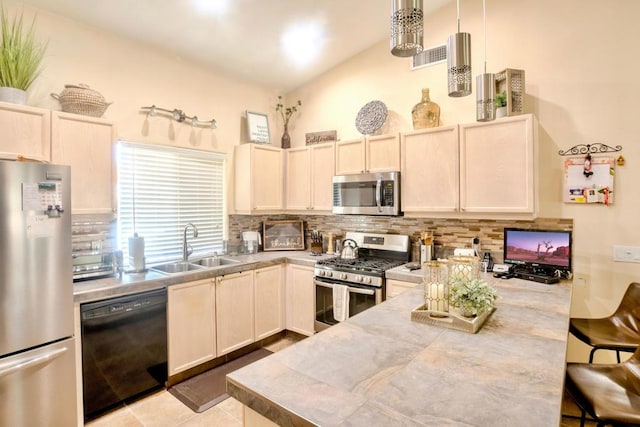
x: 124, y: 349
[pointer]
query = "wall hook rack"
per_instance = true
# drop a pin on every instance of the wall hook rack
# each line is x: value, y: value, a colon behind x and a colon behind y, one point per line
x: 180, y: 116
x: 598, y: 147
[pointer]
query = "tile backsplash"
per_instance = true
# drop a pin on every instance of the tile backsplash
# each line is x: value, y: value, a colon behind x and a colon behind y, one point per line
x: 99, y: 231
x: 448, y: 233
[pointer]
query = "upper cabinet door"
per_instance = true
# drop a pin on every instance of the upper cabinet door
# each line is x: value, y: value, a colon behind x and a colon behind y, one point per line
x: 429, y: 173
x: 350, y: 158
x: 298, y: 178
x: 498, y: 166
x: 382, y: 153
x: 267, y: 178
x: 26, y: 131
x: 322, y: 172
x: 259, y: 186
x: 86, y: 144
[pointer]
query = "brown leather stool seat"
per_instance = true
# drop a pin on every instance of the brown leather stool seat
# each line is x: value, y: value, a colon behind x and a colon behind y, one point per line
x: 610, y: 393
x: 619, y: 332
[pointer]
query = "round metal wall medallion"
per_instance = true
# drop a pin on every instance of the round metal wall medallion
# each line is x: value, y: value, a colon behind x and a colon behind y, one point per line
x: 371, y: 117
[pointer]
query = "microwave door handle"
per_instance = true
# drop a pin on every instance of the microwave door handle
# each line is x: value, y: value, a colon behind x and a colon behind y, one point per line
x: 378, y: 187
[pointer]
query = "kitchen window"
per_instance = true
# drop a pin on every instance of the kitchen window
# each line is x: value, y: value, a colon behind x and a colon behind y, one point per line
x: 160, y: 190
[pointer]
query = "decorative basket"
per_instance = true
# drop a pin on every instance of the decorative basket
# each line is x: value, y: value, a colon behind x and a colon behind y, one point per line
x: 81, y: 99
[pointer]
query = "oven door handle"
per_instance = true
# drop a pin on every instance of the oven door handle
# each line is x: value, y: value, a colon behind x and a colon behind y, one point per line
x: 378, y: 189
x: 350, y: 289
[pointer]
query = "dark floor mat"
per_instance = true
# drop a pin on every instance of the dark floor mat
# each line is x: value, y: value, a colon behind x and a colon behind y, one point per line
x: 209, y: 388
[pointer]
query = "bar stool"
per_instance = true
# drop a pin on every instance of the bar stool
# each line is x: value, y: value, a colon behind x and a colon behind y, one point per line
x: 610, y: 393
x: 619, y: 332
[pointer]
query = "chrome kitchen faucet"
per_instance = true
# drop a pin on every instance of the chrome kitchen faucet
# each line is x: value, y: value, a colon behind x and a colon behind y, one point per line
x: 186, y: 249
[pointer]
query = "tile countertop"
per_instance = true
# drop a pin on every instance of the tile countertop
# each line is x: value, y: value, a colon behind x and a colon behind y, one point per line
x: 379, y: 368
x: 129, y: 283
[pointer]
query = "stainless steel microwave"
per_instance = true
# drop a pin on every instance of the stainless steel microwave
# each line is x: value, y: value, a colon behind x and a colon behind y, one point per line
x: 367, y: 194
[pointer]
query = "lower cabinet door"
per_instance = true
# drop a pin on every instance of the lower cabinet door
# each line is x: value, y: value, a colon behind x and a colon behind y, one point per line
x: 301, y: 303
x: 234, y: 311
x: 191, y: 324
x: 269, y: 301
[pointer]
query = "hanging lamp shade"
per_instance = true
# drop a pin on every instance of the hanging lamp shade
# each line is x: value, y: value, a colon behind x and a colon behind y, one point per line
x: 459, y: 61
x: 485, y: 83
x: 485, y: 97
x: 406, y: 27
x: 459, y: 64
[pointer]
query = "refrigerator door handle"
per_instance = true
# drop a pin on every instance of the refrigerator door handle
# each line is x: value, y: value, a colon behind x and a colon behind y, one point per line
x: 10, y: 368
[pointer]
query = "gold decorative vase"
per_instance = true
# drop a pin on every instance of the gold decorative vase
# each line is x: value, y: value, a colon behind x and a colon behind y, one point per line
x: 426, y: 113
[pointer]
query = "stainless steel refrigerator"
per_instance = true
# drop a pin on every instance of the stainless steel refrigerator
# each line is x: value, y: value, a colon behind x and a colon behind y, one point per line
x: 37, y: 354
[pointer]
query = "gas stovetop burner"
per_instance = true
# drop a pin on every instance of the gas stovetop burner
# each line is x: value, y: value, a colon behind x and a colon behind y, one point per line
x: 371, y: 265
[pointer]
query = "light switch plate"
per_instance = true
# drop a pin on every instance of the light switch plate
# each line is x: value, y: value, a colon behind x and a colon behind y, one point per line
x: 626, y: 253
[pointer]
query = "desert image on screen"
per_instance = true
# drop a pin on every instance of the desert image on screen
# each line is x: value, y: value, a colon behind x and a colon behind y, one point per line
x: 543, y: 248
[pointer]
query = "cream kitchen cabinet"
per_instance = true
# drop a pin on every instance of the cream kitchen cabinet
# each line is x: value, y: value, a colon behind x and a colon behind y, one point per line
x: 269, y: 301
x: 430, y: 170
x: 234, y: 311
x: 191, y: 327
x: 86, y: 144
x: 300, y: 298
x: 396, y: 287
x: 26, y: 131
x: 379, y: 153
x: 258, y: 179
x: 309, y: 179
x: 471, y: 170
x: 498, y: 166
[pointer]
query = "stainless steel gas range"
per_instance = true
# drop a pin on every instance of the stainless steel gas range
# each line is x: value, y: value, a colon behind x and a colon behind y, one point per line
x: 362, y: 277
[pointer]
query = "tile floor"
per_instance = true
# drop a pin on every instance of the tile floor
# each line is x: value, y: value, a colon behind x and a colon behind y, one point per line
x: 162, y: 409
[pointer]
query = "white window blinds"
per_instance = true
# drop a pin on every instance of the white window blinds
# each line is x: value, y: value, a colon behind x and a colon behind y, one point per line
x: 161, y: 190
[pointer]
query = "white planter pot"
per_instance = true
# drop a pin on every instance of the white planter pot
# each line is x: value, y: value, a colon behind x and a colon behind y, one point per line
x: 13, y: 95
x: 501, y: 112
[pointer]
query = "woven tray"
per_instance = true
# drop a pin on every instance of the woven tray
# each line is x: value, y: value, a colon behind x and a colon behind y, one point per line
x: 451, y: 320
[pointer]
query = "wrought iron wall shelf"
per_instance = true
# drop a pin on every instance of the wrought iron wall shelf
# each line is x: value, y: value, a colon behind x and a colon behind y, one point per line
x: 597, y: 148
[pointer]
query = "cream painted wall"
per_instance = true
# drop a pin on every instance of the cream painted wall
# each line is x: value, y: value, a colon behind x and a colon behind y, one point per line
x: 133, y: 75
x: 581, y: 62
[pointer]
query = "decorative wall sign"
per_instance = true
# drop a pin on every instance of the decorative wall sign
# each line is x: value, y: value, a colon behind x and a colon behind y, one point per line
x: 320, y: 137
x: 588, y: 179
x: 258, y: 127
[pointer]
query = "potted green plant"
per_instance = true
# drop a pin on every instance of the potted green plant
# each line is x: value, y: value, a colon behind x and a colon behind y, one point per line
x: 501, y: 104
x: 20, y: 58
x: 472, y: 297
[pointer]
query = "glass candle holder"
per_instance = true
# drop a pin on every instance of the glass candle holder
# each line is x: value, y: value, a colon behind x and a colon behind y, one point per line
x: 464, y: 268
x: 436, y: 286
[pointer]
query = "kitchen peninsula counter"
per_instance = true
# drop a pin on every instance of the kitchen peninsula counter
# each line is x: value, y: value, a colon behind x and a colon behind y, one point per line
x: 379, y: 368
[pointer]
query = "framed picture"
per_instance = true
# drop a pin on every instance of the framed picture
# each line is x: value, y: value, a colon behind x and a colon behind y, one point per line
x: 283, y: 235
x: 258, y: 127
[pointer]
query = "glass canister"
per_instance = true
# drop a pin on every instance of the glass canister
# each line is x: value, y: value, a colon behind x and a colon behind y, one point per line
x: 436, y: 286
x: 426, y: 113
x: 463, y: 268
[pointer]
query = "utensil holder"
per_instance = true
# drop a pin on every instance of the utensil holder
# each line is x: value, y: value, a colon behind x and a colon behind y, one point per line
x: 316, y: 248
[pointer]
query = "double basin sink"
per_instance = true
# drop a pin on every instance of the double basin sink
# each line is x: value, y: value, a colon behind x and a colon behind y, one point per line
x: 197, y: 264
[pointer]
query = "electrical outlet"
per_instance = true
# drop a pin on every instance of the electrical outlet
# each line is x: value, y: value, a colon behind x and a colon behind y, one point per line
x: 626, y: 253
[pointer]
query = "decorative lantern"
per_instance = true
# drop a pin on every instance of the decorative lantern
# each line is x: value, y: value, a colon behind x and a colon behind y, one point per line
x: 463, y: 268
x: 436, y: 286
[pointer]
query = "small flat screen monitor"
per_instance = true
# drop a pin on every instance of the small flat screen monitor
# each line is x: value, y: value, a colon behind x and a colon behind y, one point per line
x: 538, y: 250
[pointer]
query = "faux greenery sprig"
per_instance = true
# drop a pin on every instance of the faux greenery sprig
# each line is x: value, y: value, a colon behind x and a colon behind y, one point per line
x: 287, y: 112
x: 20, y: 53
x: 501, y: 99
x: 472, y: 296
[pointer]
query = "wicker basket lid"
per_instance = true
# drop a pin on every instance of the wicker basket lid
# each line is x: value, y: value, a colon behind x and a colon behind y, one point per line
x: 81, y: 99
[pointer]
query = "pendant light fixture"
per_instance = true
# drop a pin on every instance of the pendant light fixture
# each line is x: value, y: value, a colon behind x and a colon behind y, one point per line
x: 406, y: 27
x: 485, y: 84
x: 459, y: 61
